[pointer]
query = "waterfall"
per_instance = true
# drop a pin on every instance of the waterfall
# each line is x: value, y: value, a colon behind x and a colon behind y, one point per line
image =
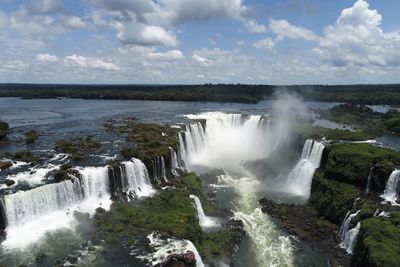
x: 30, y: 214
x: 174, y: 162
x: 162, y: 248
x: 205, y: 222
x: 227, y: 140
x: 369, y: 180
x: 159, y: 171
x: 392, y: 189
x: 350, y: 239
x: 344, y: 228
x: 136, y: 179
x: 26, y: 206
x: 300, y: 178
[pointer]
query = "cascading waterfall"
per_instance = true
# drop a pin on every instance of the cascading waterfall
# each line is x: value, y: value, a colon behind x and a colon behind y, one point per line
x: 369, y: 179
x: 162, y: 248
x: 159, y: 171
x: 30, y: 214
x: 227, y: 141
x: 344, y: 228
x: 205, y: 221
x: 350, y: 238
x: 300, y: 178
x: 138, y: 181
x: 392, y: 189
x: 174, y: 162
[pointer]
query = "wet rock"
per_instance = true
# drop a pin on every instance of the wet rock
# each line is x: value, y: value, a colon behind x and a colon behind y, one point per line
x: 7, y: 182
x: 5, y: 165
x: 186, y: 259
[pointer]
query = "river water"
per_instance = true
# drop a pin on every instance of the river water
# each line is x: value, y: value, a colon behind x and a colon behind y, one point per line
x: 60, y: 119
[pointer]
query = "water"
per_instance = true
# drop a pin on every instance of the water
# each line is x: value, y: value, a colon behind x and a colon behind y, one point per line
x: 205, y: 221
x: 33, y: 213
x: 300, y: 177
x: 227, y: 141
x: 350, y: 238
x: 392, y: 189
x: 344, y: 228
x: 164, y: 247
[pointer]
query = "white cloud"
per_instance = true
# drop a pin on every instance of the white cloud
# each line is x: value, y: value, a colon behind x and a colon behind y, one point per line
x: 200, y: 59
x: 14, y: 65
x: 357, y: 38
x: 81, y: 61
x: 285, y: 29
x: 46, y: 57
x: 141, y: 34
x: 181, y: 11
x: 74, y: 22
x: 267, y: 43
x: 44, y: 6
x: 168, y: 55
x: 254, y: 26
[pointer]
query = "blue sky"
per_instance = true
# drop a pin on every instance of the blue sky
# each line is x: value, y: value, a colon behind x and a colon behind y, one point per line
x: 200, y: 41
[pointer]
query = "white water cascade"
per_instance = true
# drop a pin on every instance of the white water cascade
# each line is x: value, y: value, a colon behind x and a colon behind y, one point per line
x: 392, y: 189
x: 159, y: 171
x: 164, y: 247
x: 174, y: 162
x: 350, y: 239
x: 227, y: 141
x: 30, y: 214
x: 300, y: 178
x: 205, y: 221
x: 344, y: 228
x: 137, y: 179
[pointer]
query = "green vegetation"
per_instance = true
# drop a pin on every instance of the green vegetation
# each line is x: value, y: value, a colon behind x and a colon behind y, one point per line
x: 31, y: 136
x: 331, y: 199
x: 332, y: 134
x: 170, y: 213
x: 78, y: 147
x: 379, y: 241
x: 3, y: 129
x: 65, y: 172
x: 26, y: 156
x: 360, y: 94
x: 351, y: 163
x: 364, y: 118
x: 147, y: 140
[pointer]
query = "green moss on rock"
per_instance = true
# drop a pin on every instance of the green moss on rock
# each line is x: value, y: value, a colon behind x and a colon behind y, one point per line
x: 78, y: 147
x: 331, y: 199
x: 378, y: 243
x: 31, y: 136
x: 351, y: 163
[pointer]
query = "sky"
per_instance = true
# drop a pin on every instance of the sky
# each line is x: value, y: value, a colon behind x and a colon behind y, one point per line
x: 278, y: 42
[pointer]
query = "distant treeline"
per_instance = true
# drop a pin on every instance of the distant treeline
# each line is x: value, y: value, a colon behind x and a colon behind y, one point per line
x: 362, y: 94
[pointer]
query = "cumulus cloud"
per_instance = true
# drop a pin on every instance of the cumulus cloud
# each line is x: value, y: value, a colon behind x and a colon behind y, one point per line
x: 253, y: 26
x: 357, y: 38
x: 142, y: 34
x: 94, y: 63
x: 200, y: 59
x: 266, y: 44
x: 44, y: 6
x: 285, y: 29
x: 168, y: 55
x: 46, y: 57
x: 181, y: 11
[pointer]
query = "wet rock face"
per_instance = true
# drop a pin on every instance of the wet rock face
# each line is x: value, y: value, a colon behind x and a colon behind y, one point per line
x: 5, y: 165
x: 186, y: 259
